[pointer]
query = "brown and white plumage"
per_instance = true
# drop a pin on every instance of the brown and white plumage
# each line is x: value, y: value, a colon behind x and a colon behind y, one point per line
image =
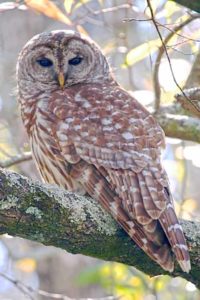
x: 90, y: 136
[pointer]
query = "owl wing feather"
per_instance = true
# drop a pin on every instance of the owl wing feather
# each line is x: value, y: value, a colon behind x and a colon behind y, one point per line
x: 100, y: 189
x: 115, y: 149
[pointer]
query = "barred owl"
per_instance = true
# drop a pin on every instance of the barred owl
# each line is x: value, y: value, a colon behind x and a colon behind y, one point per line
x: 90, y: 136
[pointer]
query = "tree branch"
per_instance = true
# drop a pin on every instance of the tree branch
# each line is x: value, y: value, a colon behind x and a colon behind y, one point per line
x: 29, y: 291
x: 17, y: 159
x: 161, y: 51
x: 191, y: 88
x: 78, y: 224
x: 177, y: 124
x: 163, y: 43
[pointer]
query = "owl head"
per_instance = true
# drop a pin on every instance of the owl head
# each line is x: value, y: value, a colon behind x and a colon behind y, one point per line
x: 59, y: 59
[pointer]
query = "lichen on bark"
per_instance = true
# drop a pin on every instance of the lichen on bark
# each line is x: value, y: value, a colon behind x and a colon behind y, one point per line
x: 78, y: 224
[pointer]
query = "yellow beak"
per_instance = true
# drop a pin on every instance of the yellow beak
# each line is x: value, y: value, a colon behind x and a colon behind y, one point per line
x: 61, y: 79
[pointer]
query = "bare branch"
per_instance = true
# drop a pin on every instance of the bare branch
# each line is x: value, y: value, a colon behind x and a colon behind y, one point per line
x: 192, y: 90
x: 13, y: 160
x: 164, y: 49
x: 28, y: 290
x: 19, y: 285
x: 161, y: 51
x: 193, y: 79
x: 95, y: 13
x: 187, y: 38
x: 192, y: 102
x: 179, y: 126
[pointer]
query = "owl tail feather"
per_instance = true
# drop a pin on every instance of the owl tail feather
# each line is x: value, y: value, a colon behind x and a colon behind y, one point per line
x: 98, y: 188
x: 185, y: 265
x: 160, y: 254
x: 175, y: 235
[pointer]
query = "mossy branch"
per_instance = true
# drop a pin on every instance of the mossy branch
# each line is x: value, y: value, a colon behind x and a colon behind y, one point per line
x: 177, y: 123
x: 78, y: 224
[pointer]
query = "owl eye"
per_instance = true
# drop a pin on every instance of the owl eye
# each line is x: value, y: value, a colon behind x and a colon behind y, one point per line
x: 75, y: 61
x: 45, y: 62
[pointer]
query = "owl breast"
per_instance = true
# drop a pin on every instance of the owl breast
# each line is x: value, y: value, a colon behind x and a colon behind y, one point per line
x: 111, y: 125
x: 50, y: 162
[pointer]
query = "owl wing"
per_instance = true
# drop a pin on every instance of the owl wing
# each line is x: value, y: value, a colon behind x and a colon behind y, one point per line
x: 114, y: 148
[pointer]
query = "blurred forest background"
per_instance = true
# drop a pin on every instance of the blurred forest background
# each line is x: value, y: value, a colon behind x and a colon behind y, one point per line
x: 132, y: 48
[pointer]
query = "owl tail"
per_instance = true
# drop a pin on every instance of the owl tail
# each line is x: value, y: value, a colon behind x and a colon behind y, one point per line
x: 98, y: 188
x: 161, y: 254
x: 175, y: 235
x: 168, y: 219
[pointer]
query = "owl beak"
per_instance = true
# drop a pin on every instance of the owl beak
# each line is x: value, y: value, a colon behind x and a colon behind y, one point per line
x: 61, y: 79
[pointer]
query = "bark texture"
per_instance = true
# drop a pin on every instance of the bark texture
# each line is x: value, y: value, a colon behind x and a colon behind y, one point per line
x: 53, y: 216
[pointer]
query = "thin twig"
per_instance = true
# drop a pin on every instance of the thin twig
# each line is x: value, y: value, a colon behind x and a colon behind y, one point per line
x: 19, y: 285
x: 24, y: 288
x: 13, y: 160
x: 180, y: 51
x: 135, y: 19
x: 126, y: 44
x: 176, y: 33
x: 166, y: 53
x: 111, y: 9
x: 5, y: 152
x: 179, y: 43
x: 101, y: 11
x: 161, y: 51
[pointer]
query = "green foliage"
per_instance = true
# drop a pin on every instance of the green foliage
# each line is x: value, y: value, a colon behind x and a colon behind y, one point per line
x: 131, y: 284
